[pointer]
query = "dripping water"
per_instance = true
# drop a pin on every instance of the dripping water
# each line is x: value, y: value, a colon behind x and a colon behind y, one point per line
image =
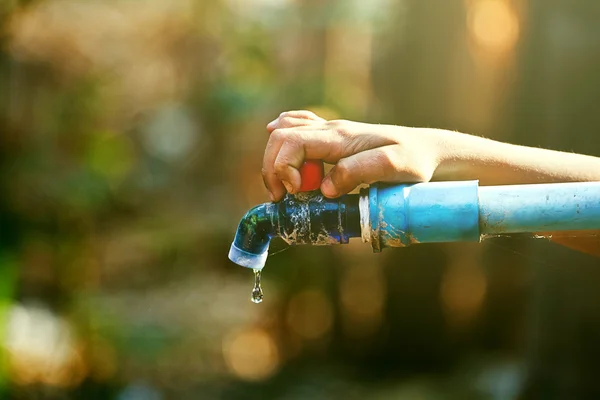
x: 257, y: 293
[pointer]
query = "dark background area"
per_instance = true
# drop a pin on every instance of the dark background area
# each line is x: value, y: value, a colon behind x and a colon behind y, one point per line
x: 131, y: 140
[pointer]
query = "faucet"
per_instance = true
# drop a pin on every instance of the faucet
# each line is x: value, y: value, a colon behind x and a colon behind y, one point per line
x: 399, y: 215
x: 305, y: 218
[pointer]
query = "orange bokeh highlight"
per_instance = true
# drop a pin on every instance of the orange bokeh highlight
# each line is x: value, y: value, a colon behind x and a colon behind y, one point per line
x: 310, y: 314
x: 251, y: 354
x: 493, y: 26
x: 362, y: 297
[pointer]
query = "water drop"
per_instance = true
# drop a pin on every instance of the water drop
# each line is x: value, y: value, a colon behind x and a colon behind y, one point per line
x: 257, y: 293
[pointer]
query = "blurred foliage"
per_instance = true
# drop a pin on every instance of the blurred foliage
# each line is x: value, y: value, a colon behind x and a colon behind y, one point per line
x: 132, y: 137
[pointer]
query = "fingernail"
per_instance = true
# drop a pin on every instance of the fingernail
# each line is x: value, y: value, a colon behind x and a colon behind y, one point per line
x: 288, y: 186
x: 271, y: 124
x: 327, y: 187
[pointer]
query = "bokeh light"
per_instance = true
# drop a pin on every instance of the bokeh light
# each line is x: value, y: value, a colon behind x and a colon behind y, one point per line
x: 310, y: 314
x: 251, y: 354
x: 362, y: 296
x: 493, y: 25
x: 171, y: 133
x: 42, y: 348
x: 463, y: 291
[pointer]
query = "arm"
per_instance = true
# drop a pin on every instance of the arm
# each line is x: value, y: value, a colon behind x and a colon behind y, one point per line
x: 496, y: 163
x: 366, y: 153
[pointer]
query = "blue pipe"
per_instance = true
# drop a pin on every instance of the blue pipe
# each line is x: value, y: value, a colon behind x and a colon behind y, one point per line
x: 391, y: 215
x: 400, y: 215
x: 542, y: 207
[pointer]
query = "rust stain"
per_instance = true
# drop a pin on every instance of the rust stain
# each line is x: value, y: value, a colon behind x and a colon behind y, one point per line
x: 412, y: 239
x: 391, y: 239
x: 375, y: 243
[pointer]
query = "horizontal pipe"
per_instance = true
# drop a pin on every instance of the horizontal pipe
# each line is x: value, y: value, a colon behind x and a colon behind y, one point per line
x: 405, y: 214
x: 539, y: 207
x: 401, y: 215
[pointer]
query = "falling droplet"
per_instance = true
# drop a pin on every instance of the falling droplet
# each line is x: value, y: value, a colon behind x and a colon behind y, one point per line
x: 257, y: 293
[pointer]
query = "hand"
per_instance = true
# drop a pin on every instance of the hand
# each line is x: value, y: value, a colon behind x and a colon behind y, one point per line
x: 362, y: 153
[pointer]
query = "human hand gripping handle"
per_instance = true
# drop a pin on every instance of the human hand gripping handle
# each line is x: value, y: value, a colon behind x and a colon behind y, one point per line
x: 360, y: 153
x: 311, y: 171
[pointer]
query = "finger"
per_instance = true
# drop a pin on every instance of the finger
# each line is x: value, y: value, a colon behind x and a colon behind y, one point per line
x: 322, y: 142
x: 272, y: 182
x: 286, y: 151
x: 289, y: 122
x: 300, y: 114
x: 383, y: 164
x: 273, y: 187
x: 293, y: 154
x: 305, y: 114
x: 287, y: 164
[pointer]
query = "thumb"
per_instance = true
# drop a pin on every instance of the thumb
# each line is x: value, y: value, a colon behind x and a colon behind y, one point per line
x: 382, y: 164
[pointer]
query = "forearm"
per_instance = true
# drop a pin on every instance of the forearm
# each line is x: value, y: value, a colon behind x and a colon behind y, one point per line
x: 464, y: 157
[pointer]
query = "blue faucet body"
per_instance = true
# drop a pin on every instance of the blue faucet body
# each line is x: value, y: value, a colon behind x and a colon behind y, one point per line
x: 398, y: 215
x: 306, y: 218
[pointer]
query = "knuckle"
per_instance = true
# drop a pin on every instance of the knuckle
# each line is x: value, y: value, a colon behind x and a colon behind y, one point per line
x: 285, y: 135
x: 340, y: 127
x: 280, y: 167
x: 264, y: 172
x: 335, y: 123
x: 277, y: 135
x: 286, y: 121
x: 294, y: 139
x: 340, y: 122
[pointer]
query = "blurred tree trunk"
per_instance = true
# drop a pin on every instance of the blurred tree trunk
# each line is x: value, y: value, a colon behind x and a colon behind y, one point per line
x: 412, y: 75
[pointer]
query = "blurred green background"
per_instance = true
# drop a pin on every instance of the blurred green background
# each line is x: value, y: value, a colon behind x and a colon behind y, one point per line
x: 132, y: 136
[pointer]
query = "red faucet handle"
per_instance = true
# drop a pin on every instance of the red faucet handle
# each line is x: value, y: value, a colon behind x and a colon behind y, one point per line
x: 311, y: 172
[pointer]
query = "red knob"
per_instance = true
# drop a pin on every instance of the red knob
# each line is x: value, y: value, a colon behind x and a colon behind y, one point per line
x: 312, y: 173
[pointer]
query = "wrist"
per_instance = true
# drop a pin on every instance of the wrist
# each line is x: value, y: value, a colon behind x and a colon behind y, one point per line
x: 449, y: 150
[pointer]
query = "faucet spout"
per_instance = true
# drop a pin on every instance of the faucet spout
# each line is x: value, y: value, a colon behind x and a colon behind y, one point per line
x: 251, y: 243
x: 305, y: 218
